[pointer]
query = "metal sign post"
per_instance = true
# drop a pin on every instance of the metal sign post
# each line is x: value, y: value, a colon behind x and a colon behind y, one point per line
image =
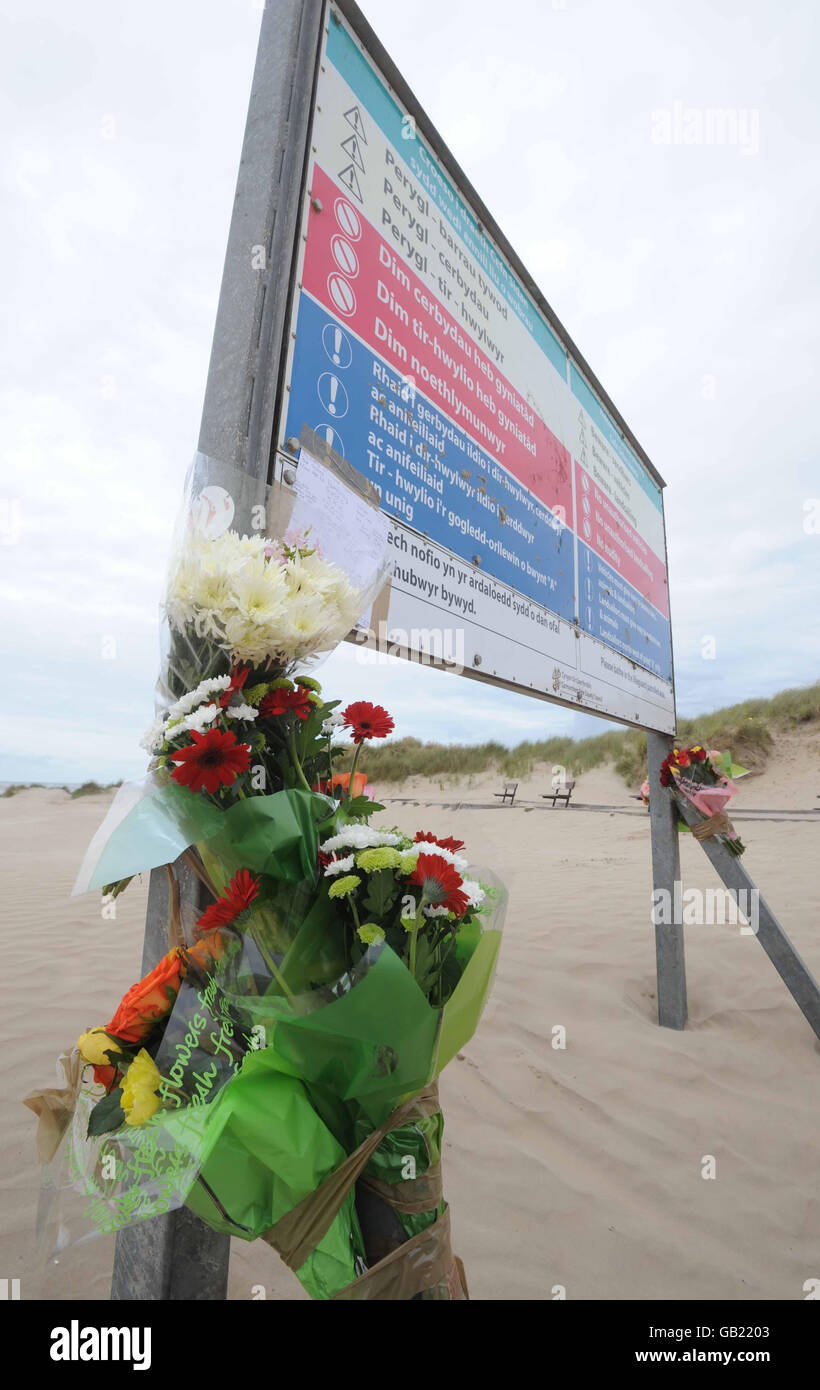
x: 669, y: 952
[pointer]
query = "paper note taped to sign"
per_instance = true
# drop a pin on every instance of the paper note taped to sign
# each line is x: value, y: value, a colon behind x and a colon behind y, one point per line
x: 348, y: 530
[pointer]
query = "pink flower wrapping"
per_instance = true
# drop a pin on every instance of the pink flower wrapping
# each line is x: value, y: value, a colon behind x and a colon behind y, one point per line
x: 708, y: 800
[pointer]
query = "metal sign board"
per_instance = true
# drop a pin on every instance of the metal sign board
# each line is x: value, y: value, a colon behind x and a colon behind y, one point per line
x: 527, y: 524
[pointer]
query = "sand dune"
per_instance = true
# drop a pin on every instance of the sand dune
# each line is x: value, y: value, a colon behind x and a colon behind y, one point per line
x: 575, y: 1168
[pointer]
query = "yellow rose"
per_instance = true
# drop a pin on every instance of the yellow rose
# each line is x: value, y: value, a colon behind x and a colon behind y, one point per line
x: 139, y: 1099
x: 94, y: 1046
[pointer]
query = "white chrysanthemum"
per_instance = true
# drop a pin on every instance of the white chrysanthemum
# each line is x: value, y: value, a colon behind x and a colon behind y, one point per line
x: 475, y: 893
x: 211, y: 589
x: 332, y: 723
x: 197, y: 722
x: 458, y: 861
x: 244, y: 546
x: 195, y: 697
x: 360, y: 837
x: 439, y: 911
x: 239, y: 592
x: 246, y: 712
x: 303, y: 578
x: 152, y: 738
x: 340, y: 866
x: 258, y: 594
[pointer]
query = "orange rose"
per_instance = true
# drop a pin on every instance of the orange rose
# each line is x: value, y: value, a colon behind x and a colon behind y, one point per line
x: 149, y: 1000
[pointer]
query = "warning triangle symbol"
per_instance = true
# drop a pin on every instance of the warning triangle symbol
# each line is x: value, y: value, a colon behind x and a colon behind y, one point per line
x: 354, y: 118
x: 351, y: 145
x: 350, y: 179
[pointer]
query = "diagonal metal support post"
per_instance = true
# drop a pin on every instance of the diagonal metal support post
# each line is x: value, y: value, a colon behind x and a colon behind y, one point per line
x: 792, y: 970
x: 176, y: 1256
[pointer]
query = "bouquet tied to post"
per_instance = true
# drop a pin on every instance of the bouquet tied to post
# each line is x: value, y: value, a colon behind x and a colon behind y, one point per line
x: 707, y: 780
x: 276, y: 1070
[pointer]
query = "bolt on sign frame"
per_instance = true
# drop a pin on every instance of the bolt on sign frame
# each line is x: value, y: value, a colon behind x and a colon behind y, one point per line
x: 371, y: 306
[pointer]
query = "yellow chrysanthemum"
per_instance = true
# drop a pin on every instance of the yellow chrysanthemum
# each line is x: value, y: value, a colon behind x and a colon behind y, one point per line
x: 343, y: 887
x: 370, y: 933
x: 383, y: 857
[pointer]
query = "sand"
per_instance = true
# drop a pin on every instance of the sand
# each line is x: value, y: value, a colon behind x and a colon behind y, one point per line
x: 573, y: 1169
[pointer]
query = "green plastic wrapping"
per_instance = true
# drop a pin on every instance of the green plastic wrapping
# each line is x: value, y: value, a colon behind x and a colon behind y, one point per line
x: 274, y: 835
x: 272, y: 1091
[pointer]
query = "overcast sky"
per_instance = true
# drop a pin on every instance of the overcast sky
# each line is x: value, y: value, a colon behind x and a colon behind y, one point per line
x: 686, y: 272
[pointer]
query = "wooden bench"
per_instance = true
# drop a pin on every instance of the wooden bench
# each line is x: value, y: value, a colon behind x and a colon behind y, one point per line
x: 508, y: 794
x: 562, y: 793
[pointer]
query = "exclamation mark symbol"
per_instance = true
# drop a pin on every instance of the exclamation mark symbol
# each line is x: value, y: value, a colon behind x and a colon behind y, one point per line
x: 337, y: 346
x: 334, y: 389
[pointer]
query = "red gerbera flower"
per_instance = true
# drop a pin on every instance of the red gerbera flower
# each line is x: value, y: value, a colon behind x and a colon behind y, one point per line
x: 367, y: 721
x: 440, y: 884
x: 213, y: 760
x: 425, y: 837
x: 284, y: 701
x: 239, y: 675
x: 240, y: 893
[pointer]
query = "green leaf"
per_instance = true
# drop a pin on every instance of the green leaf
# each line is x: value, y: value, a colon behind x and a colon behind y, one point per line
x: 119, y: 1059
x: 383, y: 891
x: 359, y: 807
x: 107, y: 1114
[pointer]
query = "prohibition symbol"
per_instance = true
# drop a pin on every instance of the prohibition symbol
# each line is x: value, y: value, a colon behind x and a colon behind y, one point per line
x: 587, y: 529
x: 585, y: 482
x: 585, y: 503
x: 348, y: 219
x: 342, y: 294
x: 344, y: 256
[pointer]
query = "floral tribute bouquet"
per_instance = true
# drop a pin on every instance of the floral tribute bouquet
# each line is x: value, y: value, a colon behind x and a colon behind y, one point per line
x: 276, y: 1070
x: 706, y: 779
